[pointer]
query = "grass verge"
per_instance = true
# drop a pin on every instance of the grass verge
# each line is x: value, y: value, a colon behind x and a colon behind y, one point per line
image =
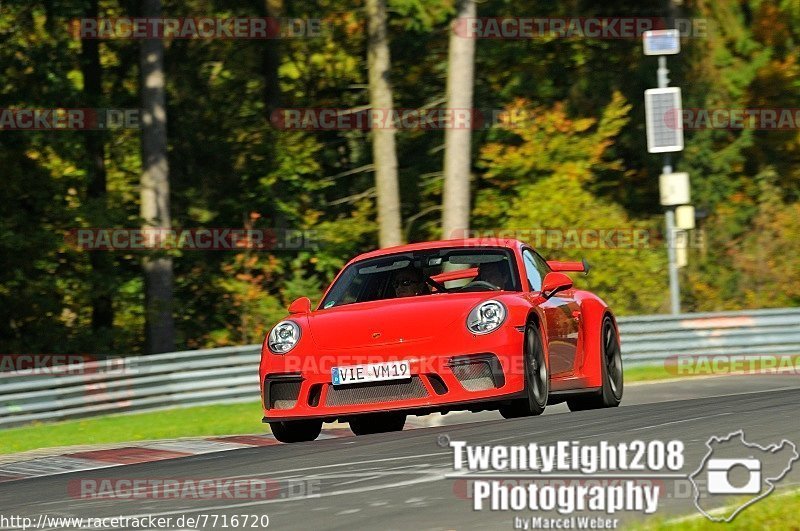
x: 227, y: 419
x: 647, y: 373
x: 714, y: 365
x: 778, y: 512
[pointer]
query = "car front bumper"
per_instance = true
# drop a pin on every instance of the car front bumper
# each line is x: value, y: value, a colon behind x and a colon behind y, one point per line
x: 445, y: 375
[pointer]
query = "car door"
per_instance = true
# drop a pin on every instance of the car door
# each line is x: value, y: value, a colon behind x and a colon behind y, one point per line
x: 562, y: 314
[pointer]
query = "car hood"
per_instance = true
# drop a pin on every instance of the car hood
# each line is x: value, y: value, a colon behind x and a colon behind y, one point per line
x: 391, y: 321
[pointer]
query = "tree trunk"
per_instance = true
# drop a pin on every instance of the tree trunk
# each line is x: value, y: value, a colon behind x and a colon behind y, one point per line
x: 384, y: 155
x: 160, y: 327
x: 96, y: 193
x: 271, y: 60
x: 457, y: 148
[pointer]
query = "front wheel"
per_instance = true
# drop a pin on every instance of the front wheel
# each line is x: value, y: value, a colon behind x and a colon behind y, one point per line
x: 537, y: 378
x: 292, y: 431
x: 377, y: 423
x: 610, y: 394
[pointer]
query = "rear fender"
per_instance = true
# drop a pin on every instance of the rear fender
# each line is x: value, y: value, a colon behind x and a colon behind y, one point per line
x: 593, y: 311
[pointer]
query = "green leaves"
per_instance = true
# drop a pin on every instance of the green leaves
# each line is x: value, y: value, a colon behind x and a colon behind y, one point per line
x: 539, y: 178
x: 569, y: 153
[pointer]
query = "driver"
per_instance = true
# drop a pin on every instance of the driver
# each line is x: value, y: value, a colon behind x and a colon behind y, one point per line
x: 409, y: 282
x: 493, y: 273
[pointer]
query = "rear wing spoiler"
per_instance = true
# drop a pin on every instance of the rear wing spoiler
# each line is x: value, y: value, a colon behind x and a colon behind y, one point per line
x: 458, y: 274
x: 565, y: 267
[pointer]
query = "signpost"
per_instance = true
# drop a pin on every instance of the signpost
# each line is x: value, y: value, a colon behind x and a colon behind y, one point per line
x: 662, y: 42
x: 662, y: 110
x: 674, y: 189
x: 684, y: 217
x: 664, y: 127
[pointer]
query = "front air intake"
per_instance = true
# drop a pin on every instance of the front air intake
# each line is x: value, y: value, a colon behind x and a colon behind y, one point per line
x: 478, y: 373
x: 281, y: 392
x: 376, y: 392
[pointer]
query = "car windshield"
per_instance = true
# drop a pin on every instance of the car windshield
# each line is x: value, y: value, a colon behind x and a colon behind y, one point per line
x: 429, y: 272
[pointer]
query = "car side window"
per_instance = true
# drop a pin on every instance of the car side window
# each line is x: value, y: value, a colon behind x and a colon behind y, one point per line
x: 535, y: 269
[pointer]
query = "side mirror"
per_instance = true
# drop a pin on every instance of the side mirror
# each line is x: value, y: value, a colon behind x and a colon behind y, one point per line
x: 555, y: 282
x: 301, y: 305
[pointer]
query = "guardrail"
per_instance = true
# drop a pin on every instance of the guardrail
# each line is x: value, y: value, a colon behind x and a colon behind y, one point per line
x: 229, y: 374
x: 654, y: 338
x: 159, y: 381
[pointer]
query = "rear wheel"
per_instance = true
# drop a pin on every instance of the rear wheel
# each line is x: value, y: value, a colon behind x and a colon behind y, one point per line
x: 377, y: 423
x: 537, y: 378
x: 292, y: 431
x: 610, y: 394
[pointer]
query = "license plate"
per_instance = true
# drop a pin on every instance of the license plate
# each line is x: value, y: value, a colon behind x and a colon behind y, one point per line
x: 374, y: 372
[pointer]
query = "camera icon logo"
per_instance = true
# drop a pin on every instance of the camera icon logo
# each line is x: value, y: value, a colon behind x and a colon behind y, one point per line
x: 719, y: 472
x: 734, y: 470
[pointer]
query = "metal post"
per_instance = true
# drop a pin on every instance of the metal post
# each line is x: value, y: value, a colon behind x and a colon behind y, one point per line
x: 669, y: 215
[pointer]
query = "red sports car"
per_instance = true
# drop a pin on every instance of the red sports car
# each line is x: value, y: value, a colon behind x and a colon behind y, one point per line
x: 472, y: 324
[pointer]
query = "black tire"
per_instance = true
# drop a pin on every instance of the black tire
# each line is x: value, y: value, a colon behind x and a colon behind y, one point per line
x: 377, y: 423
x: 610, y: 394
x: 293, y: 431
x: 537, y: 378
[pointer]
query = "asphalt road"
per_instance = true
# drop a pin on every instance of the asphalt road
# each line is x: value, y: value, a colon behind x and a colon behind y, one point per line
x: 399, y: 480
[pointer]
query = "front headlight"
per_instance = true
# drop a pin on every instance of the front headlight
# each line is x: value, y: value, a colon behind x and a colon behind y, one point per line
x: 283, y: 337
x: 486, y: 317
